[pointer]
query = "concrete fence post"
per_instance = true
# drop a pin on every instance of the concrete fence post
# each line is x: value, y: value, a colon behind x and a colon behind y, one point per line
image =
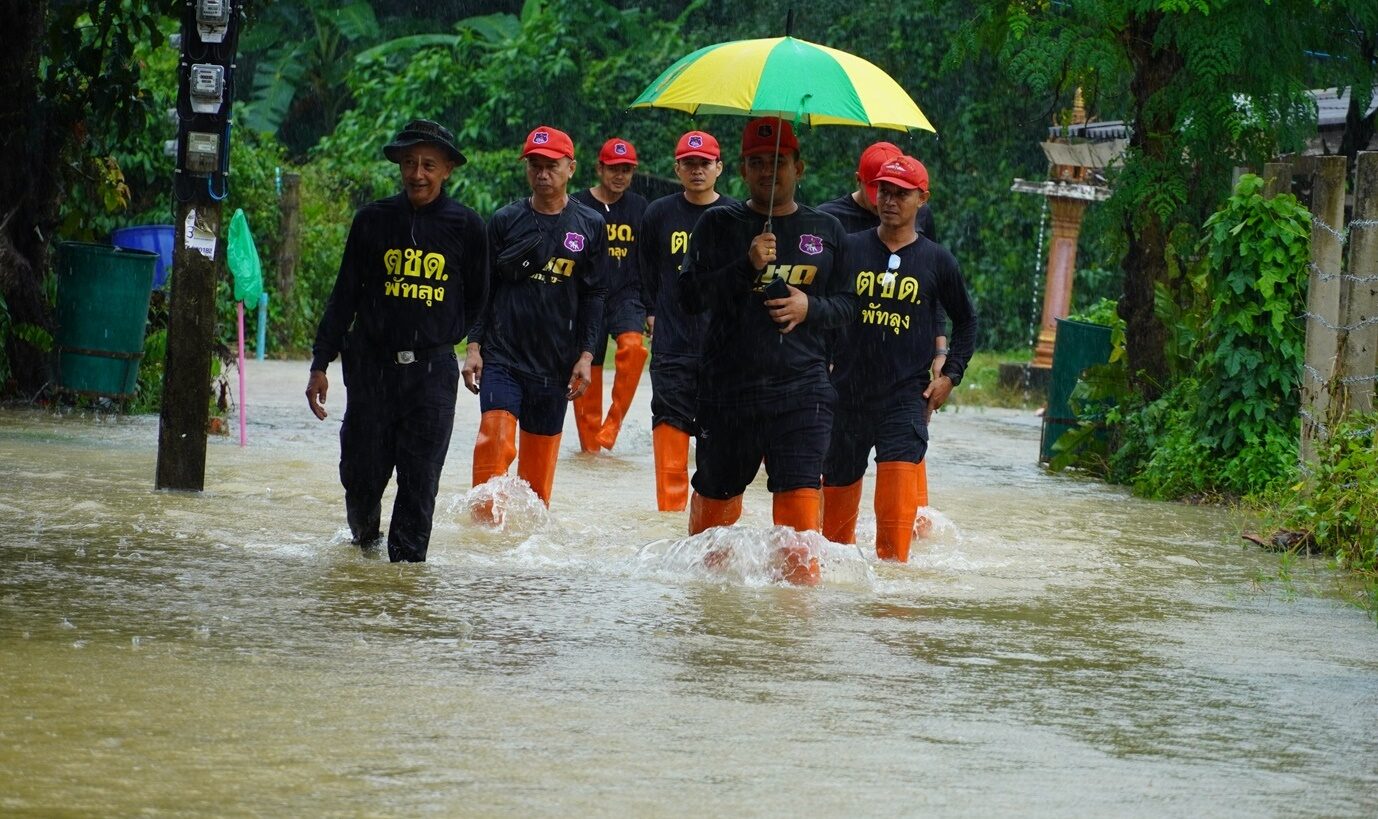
x: 1359, y: 292
x: 1322, y: 299
x: 1277, y: 178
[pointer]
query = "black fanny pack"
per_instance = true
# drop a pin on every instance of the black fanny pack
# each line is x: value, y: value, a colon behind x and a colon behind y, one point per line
x: 518, y: 261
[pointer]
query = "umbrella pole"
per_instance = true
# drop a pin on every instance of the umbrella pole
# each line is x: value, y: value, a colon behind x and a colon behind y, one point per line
x: 774, y: 170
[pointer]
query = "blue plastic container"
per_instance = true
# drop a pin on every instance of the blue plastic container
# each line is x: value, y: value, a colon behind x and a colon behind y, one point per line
x: 154, y: 238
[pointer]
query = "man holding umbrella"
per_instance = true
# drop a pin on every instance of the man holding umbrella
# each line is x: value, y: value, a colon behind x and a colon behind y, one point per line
x: 772, y: 295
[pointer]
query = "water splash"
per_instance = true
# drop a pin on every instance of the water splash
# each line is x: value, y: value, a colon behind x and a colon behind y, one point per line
x: 751, y: 556
x: 505, y: 504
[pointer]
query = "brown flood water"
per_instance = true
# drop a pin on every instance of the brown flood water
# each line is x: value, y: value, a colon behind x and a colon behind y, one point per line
x: 1056, y: 648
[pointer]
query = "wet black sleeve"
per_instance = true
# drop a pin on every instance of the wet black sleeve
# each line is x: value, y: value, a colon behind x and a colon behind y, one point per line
x: 593, y: 292
x: 648, y: 260
x: 717, y: 268
x: 956, y: 301
x: 480, y: 322
x: 344, y: 297
x: 475, y: 271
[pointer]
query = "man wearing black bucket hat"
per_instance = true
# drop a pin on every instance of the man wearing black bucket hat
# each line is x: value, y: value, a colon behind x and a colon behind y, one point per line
x: 411, y: 283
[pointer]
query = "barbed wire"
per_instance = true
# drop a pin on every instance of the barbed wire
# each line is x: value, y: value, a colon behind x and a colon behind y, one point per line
x: 1320, y: 378
x: 1321, y: 429
x: 1343, y: 235
x: 1321, y: 275
x: 1320, y: 426
x: 1348, y: 328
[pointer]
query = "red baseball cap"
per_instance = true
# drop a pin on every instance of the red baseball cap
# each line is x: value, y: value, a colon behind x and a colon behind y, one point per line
x: 761, y: 135
x: 549, y: 142
x: 617, y: 151
x: 698, y: 143
x: 872, y: 159
x: 905, y: 172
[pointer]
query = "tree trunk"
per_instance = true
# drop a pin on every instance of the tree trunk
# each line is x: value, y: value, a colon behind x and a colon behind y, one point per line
x: 29, y: 188
x: 1145, y: 262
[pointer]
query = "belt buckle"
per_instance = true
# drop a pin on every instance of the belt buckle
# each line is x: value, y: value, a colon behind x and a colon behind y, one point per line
x: 406, y: 357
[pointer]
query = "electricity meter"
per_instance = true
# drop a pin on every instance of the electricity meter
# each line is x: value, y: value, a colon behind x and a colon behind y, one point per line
x: 203, y: 153
x: 207, y: 88
x: 212, y: 20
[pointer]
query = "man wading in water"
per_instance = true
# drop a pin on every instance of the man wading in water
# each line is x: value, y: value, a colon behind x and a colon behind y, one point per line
x: 411, y: 283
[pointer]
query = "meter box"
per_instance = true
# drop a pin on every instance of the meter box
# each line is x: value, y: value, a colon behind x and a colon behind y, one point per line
x: 213, y: 20
x: 202, y: 153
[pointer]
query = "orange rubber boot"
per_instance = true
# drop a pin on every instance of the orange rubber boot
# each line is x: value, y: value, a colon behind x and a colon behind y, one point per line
x: 630, y: 359
x: 672, y: 467
x: 588, y: 411
x: 536, y: 461
x: 923, y: 524
x: 897, y: 499
x: 494, y: 450
x: 840, y: 507
x: 495, y: 446
x: 797, y: 508
x: 705, y: 513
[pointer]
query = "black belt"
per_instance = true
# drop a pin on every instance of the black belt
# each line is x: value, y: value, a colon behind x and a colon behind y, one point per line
x: 420, y: 354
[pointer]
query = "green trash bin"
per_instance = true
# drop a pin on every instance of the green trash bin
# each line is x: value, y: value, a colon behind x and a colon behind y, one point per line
x: 1079, y: 345
x: 102, y: 308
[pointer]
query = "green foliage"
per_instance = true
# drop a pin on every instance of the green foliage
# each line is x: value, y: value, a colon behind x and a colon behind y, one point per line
x: 981, y: 383
x: 120, y: 174
x: 148, y: 391
x: 1337, y: 508
x: 1186, y: 76
x: 1229, y: 425
x: 300, y: 56
x: 1255, y: 338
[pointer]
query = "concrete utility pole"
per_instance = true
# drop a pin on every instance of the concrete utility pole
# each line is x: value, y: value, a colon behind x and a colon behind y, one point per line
x: 210, y: 33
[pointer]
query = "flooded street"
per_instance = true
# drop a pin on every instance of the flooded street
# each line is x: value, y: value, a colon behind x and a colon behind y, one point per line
x: 1056, y: 648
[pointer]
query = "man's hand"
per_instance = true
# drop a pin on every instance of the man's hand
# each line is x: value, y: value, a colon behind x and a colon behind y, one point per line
x: 473, y: 368
x: 937, y: 368
x: 579, y: 379
x: 938, y: 391
x: 791, y: 311
x: 316, y: 388
x: 762, y: 251
x: 650, y: 327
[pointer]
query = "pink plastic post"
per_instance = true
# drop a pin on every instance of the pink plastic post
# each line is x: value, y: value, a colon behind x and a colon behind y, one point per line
x: 243, y: 433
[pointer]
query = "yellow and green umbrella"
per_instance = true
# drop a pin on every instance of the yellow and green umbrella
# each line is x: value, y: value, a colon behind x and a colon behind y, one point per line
x: 787, y: 78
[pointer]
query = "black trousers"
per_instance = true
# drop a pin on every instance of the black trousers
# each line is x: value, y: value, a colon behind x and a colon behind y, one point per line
x: 397, y: 416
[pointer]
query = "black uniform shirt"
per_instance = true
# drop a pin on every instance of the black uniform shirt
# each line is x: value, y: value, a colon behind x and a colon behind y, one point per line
x: 540, y: 325
x: 891, y: 348
x: 410, y: 278
x: 623, y: 219
x: 665, y: 237
x: 855, y: 218
x: 746, y: 360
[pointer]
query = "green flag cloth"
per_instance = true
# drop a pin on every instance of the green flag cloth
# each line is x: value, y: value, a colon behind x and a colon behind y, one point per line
x: 242, y: 257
